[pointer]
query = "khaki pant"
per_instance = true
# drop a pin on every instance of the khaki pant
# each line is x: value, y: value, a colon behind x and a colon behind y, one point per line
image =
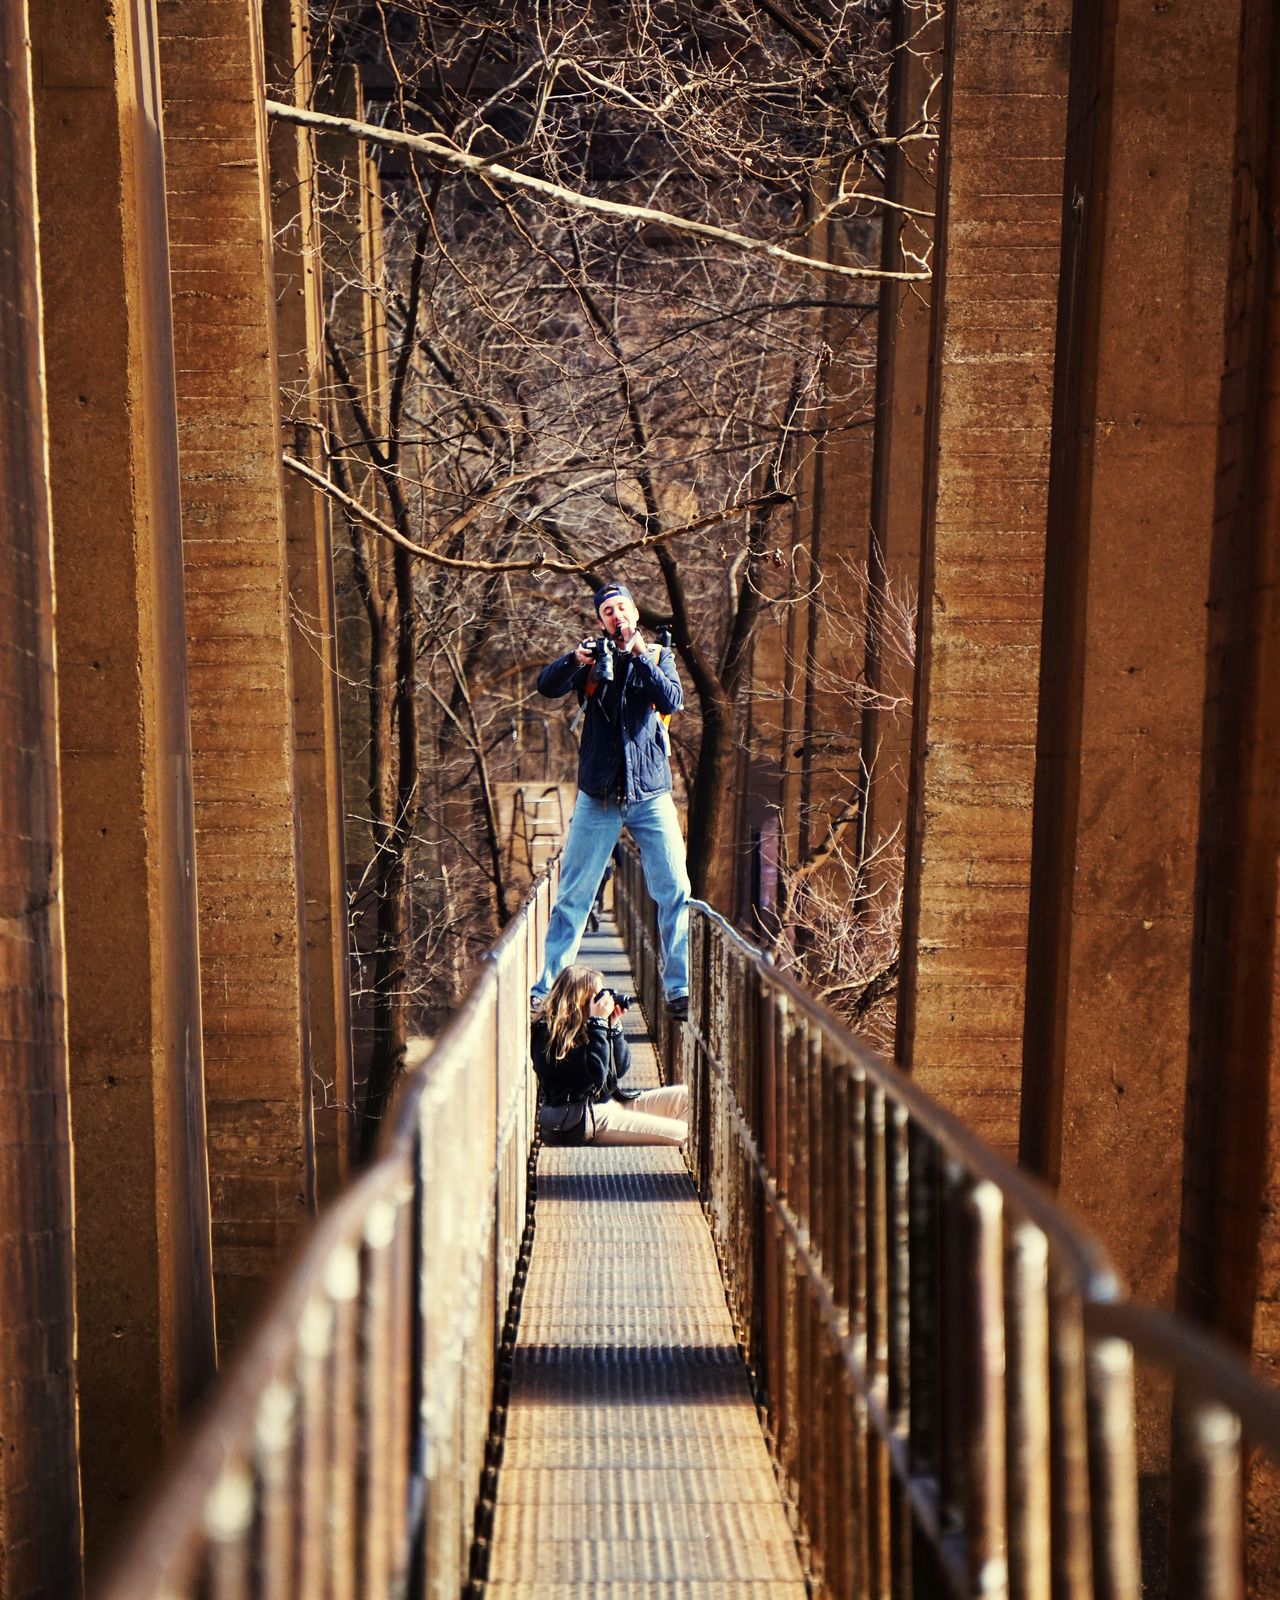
x: 658, y: 1116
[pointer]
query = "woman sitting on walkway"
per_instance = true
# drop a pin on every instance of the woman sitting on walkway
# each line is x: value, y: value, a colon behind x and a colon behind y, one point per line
x: 579, y: 1053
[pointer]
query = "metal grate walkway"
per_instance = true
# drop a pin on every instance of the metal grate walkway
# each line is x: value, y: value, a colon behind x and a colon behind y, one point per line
x: 634, y: 1463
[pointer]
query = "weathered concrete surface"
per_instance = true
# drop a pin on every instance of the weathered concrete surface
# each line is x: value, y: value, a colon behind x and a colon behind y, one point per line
x: 39, y: 1482
x: 313, y: 644
x: 251, y: 927
x: 1131, y: 506
x: 995, y: 304
x: 143, y: 1281
x: 1229, y: 1264
x: 898, y: 477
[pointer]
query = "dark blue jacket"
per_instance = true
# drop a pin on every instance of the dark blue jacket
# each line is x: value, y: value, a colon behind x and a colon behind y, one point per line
x: 625, y: 753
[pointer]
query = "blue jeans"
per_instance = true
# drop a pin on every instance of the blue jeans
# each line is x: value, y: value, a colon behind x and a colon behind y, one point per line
x: 593, y: 832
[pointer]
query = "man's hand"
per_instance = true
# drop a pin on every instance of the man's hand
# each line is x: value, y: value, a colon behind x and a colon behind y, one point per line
x: 583, y: 656
x: 635, y: 644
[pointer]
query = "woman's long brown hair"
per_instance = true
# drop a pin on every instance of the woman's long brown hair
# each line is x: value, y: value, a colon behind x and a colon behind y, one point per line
x: 568, y: 1007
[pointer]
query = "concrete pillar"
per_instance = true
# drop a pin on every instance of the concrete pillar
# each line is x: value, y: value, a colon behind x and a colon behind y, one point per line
x: 318, y: 754
x: 143, y: 1279
x: 251, y: 926
x: 1131, y: 508
x: 1229, y: 1263
x: 994, y: 316
x: 39, y: 1482
x: 902, y: 386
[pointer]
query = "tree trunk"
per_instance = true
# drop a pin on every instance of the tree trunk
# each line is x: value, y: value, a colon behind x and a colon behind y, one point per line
x: 711, y: 802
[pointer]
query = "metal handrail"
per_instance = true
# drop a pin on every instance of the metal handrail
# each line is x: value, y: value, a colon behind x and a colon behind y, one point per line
x: 342, y: 1455
x: 944, y: 1358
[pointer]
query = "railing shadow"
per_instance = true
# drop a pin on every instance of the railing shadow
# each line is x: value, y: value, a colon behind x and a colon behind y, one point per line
x: 606, y: 1184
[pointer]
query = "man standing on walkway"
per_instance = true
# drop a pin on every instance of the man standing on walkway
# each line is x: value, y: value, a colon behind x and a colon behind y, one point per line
x: 624, y: 780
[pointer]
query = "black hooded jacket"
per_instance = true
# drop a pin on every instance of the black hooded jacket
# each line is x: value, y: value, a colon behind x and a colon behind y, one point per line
x: 587, y: 1071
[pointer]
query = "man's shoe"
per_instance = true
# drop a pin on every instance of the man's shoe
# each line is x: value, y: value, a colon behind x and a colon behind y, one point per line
x: 678, y: 1007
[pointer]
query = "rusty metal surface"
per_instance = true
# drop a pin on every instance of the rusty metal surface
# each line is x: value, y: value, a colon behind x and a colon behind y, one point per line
x: 342, y: 1453
x: 944, y: 1359
x: 634, y: 1464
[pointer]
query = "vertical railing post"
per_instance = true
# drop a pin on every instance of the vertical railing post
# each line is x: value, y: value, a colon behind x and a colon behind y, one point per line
x: 1027, y: 1389
x: 985, y: 1520
x: 856, y: 1167
x: 342, y: 1286
x: 924, y: 1264
x: 955, y: 1358
x: 380, y: 1537
x: 1113, y: 1471
x: 1206, y: 1551
x: 898, y: 1246
x: 315, y: 1341
x: 761, y: 1021
x: 771, y: 1233
x: 877, y: 1268
x: 839, y: 1530
x: 1069, y: 1459
x: 274, y: 1466
x: 228, y: 1520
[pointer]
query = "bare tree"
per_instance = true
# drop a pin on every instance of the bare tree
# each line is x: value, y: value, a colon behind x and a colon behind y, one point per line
x: 568, y: 389
x: 838, y: 914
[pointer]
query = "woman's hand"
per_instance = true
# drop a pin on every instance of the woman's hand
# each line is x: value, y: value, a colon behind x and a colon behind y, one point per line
x: 604, y: 1005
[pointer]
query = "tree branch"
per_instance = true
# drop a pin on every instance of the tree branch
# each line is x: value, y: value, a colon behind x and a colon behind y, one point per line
x: 439, y: 150
x: 538, y: 563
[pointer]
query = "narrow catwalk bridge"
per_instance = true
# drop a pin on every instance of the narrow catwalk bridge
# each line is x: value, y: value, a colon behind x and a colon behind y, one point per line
x: 843, y: 1350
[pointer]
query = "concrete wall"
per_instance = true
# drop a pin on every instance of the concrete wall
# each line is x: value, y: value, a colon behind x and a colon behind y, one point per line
x: 86, y: 143
x: 1229, y: 1263
x: 313, y: 641
x: 995, y: 298
x: 1135, y: 433
x: 143, y: 1283
x: 252, y: 938
x: 39, y: 1485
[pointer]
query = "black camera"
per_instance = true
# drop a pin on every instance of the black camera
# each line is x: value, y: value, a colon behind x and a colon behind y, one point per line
x: 624, y: 1002
x: 603, y: 650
